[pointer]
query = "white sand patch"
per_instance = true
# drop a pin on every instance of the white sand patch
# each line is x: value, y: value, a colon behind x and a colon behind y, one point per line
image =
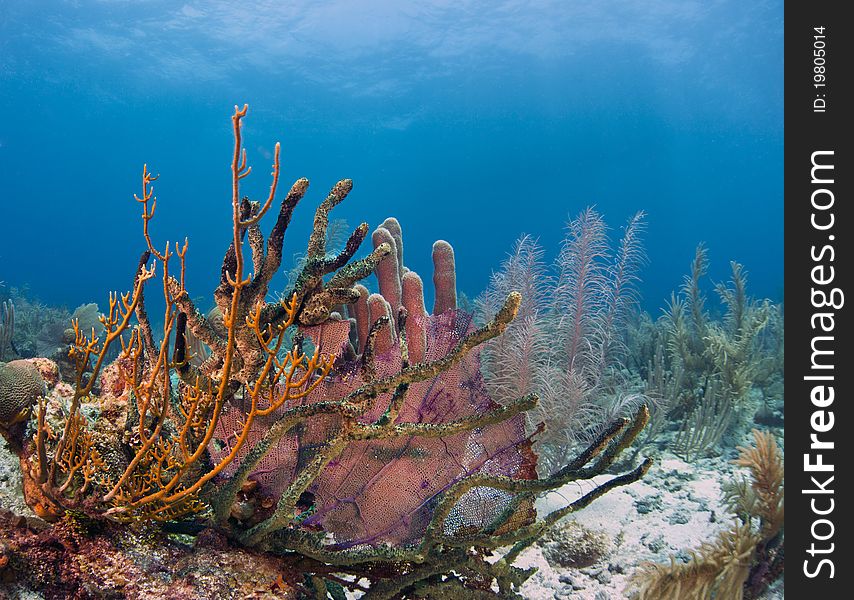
x: 671, y: 511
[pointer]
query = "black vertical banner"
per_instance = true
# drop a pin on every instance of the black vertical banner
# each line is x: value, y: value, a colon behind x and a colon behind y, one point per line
x: 819, y: 366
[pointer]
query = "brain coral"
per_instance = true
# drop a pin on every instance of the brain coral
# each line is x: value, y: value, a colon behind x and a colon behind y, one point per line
x: 20, y: 385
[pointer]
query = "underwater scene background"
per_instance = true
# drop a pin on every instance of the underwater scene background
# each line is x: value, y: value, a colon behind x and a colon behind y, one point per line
x: 549, y: 365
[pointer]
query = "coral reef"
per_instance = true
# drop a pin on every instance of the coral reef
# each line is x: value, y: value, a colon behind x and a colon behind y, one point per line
x: 367, y: 445
x: 743, y: 560
x: 350, y: 495
x: 36, y: 329
x: 30, y: 329
x: 7, y: 330
x: 717, y: 359
x: 76, y: 558
x: 768, y: 371
x: 701, y: 372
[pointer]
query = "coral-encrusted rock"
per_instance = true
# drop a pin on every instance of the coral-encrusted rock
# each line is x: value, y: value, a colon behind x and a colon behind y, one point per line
x: 112, y: 382
x: 573, y: 545
x: 48, y: 369
x: 20, y: 386
x: 114, y: 395
x: 5, y: 551
x: 71, y: 560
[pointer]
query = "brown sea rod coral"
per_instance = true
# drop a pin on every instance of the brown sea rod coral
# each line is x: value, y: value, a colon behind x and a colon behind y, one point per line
x: 717, y: 362
x: 741, y: 562
x: 368, y: 447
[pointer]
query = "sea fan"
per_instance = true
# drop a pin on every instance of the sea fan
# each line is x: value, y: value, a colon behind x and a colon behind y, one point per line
x: 385, y: 491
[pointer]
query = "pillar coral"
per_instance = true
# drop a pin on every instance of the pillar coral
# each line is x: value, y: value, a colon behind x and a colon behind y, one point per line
x: 444, y: 277
x: 403, y: 288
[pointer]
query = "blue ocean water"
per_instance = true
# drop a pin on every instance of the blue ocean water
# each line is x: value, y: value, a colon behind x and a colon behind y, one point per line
x: 469, y: 121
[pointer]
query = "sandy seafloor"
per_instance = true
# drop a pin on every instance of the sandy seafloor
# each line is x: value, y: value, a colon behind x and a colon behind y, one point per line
x: 671, y: 511
x: 674, y: 508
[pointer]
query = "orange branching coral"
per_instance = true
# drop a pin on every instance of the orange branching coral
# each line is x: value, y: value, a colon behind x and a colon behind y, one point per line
x: 173, y: 428
x: 155, y: 483
x: 73, y: 455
